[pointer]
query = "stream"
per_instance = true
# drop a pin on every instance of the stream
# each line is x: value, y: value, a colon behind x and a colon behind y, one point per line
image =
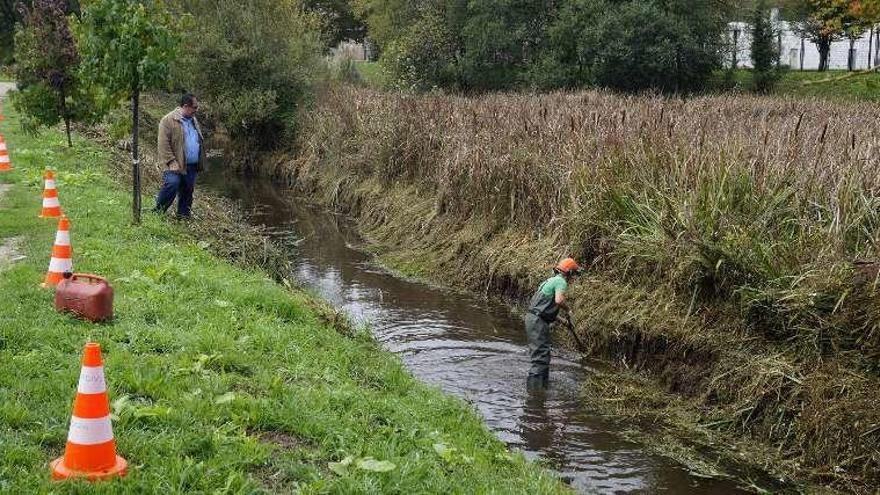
x: 466, y: 345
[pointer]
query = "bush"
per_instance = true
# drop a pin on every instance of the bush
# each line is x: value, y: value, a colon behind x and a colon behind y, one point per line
x: 52, y: 88
x: 424, y: 56
x: 670, y: 45
x: 252, y: 64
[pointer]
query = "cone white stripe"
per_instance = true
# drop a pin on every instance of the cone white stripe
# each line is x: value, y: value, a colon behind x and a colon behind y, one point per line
x: 62, y: 238
x: 90, y: 431
x: 2, y: 146
x: 91, y: 380
x: 50, y: 202
x: 4, y: 159
x: 60, y: 265
x: 50, y: 183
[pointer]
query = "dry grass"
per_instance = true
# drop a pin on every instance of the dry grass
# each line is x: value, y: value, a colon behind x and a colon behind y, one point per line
x: 733, y: 240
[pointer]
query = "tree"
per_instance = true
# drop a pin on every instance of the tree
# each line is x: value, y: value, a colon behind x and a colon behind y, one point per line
x: 764, y: 50
x: 500, y: 38
x: 47, y: 72
x: 824, y: 22
x: 253, y: 64
x: 667, y: 45
x: 127, y: 46
x: 386, y: 20
x: 426, y: 54
x: 339, y: 22
x: 868, y: 13
x: 10, y: 15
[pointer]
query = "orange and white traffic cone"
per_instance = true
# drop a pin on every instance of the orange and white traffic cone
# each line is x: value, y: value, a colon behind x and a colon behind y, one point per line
x: 62, y: 255
x: 91, y: 450
x: 51, y: 205
x: 5, y: 164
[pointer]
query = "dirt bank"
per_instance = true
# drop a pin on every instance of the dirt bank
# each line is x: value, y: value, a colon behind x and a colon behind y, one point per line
x: 732, y: 244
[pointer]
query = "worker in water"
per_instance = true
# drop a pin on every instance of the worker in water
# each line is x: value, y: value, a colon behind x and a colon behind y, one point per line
x: 543, y: 311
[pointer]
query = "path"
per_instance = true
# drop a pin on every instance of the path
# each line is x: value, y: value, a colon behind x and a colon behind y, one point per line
x: 9, y: 252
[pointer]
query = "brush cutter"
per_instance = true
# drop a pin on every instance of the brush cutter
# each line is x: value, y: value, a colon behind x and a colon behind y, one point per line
x: 577, y: 339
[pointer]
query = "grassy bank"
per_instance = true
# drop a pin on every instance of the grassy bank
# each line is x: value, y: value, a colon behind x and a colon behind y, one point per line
x: 732, y: 244
x: 829, y: 85
x: 221, y: 380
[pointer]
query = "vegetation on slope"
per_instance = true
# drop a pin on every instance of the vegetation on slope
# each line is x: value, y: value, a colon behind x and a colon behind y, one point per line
x: 732, y: 240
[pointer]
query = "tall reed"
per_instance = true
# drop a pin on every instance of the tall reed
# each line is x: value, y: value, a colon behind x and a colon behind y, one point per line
x: 738, y: 231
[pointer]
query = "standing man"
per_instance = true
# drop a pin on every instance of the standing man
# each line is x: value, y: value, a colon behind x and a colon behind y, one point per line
x: 543, y: 311
x: 182, y: 152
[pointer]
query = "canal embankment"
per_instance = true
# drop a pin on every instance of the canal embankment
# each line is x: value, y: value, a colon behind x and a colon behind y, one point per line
x: 731, y: 242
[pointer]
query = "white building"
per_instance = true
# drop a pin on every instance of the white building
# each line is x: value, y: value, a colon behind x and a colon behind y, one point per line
x: 798, y: 53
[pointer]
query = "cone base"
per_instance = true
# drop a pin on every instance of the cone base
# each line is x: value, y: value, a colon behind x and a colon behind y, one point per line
x: 52, y: 215
x: 62, y: 472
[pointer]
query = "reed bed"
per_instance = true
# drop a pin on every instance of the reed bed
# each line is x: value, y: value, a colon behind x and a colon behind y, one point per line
x: 734, y: 237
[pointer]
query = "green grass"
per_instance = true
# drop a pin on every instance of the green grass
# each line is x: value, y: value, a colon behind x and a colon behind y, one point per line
x: 372, y: 74
x: 221, y: 380
x: 862, y: 87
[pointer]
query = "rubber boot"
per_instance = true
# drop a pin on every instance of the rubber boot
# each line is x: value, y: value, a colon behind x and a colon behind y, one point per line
x: 535, y: 383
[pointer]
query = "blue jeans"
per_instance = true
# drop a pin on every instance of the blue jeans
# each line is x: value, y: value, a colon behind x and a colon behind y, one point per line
x: 181, y: 186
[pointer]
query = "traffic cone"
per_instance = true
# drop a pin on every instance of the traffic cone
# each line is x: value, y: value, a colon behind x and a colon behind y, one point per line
x: 5, y: 164
x: 61, y: 255
x: 51, y: 206
x: 91, y: 450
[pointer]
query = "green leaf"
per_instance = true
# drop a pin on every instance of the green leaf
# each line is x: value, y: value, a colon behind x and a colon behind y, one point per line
x: 370, y: 464
x: 341, y: 467
x: 445, y: 452
x: 225, y: 398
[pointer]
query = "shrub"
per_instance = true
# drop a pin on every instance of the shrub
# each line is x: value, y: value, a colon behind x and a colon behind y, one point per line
x: 252, y: 65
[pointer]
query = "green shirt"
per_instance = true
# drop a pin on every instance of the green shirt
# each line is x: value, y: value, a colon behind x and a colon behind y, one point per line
x: 543, y: 303
x: 553, y: 285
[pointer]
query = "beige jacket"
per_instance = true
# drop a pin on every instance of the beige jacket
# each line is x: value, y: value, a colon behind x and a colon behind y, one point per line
x: 171, y: 148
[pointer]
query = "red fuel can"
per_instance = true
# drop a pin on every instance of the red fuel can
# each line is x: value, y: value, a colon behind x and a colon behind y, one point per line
x: 87, y: 296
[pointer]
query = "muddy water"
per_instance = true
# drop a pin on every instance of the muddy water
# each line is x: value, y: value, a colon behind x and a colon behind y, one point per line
x: 467, y: 346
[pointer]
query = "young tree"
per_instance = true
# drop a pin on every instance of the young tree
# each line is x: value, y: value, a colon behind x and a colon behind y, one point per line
x: 127, y: 46
x: 50, y: 88
x: 764, y: 49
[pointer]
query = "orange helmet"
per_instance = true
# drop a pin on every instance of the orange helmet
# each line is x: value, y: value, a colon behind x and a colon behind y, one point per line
x: 568, y: 265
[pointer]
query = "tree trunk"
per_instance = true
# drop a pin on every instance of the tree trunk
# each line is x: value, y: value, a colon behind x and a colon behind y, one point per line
x: 66, y: 119
x: 851, y: 56
x: 877, y: 49
x: 824, y: 47
x: 778, y: 49
x: 803, y: 47
x: 735, y: 49
x: 870, y: 46
x: 135, y: 162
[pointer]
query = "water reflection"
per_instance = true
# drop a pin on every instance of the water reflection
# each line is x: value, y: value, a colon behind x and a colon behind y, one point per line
x: 469, y: 347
